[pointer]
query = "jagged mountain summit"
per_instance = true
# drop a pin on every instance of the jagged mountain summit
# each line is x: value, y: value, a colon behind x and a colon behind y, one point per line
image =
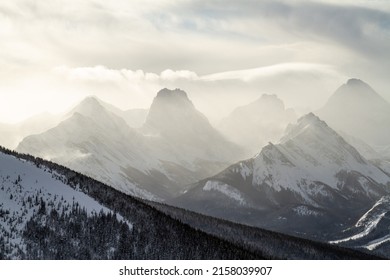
x: 359, y: 111
x: 254, y: 125
x: 174, y: 118
x: 312, y: 177
x: 170, y: 113
x: 175, y: 147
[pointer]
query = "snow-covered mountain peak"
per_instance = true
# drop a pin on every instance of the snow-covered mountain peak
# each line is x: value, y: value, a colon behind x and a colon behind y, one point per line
x: 313, y: 151
x: 90, y: 107
x: 95, y: 109
x: 312, y: 120
x: 304, y: 125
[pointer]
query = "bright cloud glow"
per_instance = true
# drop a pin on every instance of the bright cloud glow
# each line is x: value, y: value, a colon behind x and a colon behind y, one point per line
x: 125, y: 51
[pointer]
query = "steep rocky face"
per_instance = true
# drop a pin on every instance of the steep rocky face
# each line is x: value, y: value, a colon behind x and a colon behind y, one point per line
x: 171, y: 111
x: 174, y: 119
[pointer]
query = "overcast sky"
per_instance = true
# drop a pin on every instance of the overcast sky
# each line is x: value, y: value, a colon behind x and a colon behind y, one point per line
x: 224, y: 53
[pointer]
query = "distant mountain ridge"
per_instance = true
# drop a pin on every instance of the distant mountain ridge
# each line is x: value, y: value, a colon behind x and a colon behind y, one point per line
x: 359, y: 111
x: 254, y: 125
x: 176, y: 146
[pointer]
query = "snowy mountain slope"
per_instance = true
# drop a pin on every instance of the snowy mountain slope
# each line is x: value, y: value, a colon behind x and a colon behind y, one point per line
x: 254, y: 125
x: 12, y: 134
x: 27, y: 191
x: 363, y: 148
x: 133, y: 117
x: 313, y: 176
x: 50, y: 212
x: 94, y: 141
x: 151, y: 163
x: 260, y: 240
x: 358, y: 110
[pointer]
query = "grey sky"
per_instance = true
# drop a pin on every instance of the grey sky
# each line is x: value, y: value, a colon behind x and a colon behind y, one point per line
x: 53, y: 53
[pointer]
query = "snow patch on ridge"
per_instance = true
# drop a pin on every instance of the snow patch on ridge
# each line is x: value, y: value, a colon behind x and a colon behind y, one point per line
x: 303, y: 210
x: 369, y: 222
x: 225, y: 189
x: 377, y: 242
x: 369, y: 227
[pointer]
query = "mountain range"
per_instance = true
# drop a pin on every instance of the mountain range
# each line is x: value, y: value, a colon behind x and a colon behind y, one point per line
x: 312, y: 177
x: 253, y: 125
x: 175, y: 146
x: 317, y: 178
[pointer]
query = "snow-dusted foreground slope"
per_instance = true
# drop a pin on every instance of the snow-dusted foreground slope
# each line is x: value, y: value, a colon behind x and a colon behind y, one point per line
x: 50, y: 212
x: 27, y: 191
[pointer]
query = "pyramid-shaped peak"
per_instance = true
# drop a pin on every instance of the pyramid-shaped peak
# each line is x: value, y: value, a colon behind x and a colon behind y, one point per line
x: 355, y: 88
x: 305, y: 123
x: 90, y: 101
x: 89, y: 106
x: 310, y: 118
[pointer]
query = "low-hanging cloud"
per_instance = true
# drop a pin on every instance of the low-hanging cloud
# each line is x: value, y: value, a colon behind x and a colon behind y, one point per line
x: 102, y: 73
